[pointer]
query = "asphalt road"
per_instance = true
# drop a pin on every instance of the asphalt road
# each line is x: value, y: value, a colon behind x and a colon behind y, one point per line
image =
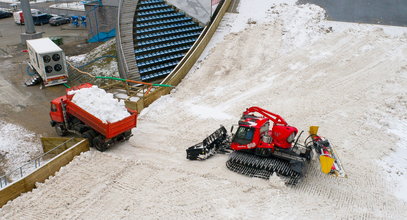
x: 388, y: 12
x: 10, y: 32
x: 29, y: 106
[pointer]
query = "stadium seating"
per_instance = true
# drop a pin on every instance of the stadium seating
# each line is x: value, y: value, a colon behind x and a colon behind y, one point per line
x: 162, y: 36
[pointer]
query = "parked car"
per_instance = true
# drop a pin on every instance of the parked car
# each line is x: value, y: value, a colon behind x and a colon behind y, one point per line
x: 5, y: 14
x: 58, y: 20
x: 41, y: 19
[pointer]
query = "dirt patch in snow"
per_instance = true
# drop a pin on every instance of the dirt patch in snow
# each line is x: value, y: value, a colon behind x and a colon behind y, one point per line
x: 2, y: 164
x: 100, y: 61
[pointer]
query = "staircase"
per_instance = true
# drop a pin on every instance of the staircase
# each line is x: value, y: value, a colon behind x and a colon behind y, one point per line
x: 124, y: 40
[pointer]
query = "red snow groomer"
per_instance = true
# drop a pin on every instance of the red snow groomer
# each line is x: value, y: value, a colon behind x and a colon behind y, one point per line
x: 264, y: 144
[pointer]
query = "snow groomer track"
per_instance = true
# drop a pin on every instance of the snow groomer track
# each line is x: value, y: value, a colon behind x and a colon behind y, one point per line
x: 350, y: 80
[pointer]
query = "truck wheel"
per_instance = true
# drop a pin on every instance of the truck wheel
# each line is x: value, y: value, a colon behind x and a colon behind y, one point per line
x: 89, y: 135
x: 60, y: 129
x: 127, y: 135
x: 99, y: 144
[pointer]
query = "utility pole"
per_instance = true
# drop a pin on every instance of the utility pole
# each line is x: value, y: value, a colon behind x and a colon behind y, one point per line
x: 29, y: 23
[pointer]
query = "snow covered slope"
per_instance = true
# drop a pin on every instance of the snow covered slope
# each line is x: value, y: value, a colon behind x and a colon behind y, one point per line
x: 17, y: 147
x: 350, y: 82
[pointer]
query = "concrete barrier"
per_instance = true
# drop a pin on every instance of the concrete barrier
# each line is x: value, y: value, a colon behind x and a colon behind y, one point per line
x: 27, y: 183
x: 49, y: 143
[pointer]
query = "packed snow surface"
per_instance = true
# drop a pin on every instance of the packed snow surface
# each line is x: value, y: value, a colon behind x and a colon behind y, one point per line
x: 100, y: 104
x: 350, y: 79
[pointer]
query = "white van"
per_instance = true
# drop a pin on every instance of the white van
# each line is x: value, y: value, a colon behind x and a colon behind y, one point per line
x: 19, y: 17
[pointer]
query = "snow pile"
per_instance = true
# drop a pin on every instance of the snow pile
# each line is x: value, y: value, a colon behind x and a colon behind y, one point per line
x: 76, y: 6
x: 77, y: 60
x: 301, y: 24
x: 17, y: 147
x: 100, y: 104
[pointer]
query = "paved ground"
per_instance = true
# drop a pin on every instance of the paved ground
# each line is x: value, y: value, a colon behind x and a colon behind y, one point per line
x: 365, y: 11
x: 44, y: 6
x: 29, y: 106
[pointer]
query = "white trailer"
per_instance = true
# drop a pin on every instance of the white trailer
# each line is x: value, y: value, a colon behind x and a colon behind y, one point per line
x: 48, y: 60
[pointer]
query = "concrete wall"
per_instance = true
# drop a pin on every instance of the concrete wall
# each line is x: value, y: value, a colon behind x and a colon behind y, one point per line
x: 100, y: 18
x: 111, y: 2
x: 27, y: 183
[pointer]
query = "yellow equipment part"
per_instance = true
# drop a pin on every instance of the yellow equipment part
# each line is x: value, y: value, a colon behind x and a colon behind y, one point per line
x: 313, y: 130
x: 326, y: 163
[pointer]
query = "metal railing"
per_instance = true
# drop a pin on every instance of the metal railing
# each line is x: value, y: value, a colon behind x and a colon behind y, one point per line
x: 33, y: 164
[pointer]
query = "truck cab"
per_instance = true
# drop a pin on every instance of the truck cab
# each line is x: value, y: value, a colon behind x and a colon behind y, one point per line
x: 254, y: 133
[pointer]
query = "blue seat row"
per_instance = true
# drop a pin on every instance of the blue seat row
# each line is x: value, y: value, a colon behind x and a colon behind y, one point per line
x: 160, y: 28
x: 163, y: 52
x: 161, y: 16
x: 144, y: 13
x: 155, y: 75
x: 149, y: 7
x: 163, y: 33
x: 160, y: 46
x: 150, y: 2
x: 158, y: 67
x: 160, y: 59
x: 170, y: 38
x: 172, y: 20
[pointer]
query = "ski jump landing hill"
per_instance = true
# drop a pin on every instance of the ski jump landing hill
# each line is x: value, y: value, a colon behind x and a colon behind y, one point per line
x: 126, y: 22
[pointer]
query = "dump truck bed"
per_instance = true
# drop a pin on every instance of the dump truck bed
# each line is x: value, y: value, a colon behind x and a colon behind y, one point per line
x: 109, y: 130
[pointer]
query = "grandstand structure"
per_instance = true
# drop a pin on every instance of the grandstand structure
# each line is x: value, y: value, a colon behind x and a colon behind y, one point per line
x: 152, y: 37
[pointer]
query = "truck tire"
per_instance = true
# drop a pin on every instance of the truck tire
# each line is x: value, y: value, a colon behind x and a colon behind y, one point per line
x: 127, y: 135
x: 99, y: 144
x: 60, y: 129
x: 90, y: 134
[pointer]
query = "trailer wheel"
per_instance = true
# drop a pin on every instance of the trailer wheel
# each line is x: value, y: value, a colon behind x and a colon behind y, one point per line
x: 60, y: 129
x: 99, y: 144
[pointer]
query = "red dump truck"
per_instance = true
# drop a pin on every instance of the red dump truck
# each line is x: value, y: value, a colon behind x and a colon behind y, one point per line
x: 67, y: 117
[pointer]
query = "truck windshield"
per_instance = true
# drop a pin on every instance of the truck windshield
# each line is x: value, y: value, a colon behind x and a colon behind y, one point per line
x: 244, y: 135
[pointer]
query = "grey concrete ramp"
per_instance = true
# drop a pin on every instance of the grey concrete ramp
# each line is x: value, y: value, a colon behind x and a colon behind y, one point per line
x: 388, y: 12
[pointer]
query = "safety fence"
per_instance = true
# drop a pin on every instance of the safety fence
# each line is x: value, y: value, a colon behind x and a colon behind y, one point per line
x: 35, y: 163
x: 76, y: 77
x: 43, y: 167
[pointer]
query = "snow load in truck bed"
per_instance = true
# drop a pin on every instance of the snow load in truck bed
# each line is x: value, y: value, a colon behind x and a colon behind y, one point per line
x: 100, y: 104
